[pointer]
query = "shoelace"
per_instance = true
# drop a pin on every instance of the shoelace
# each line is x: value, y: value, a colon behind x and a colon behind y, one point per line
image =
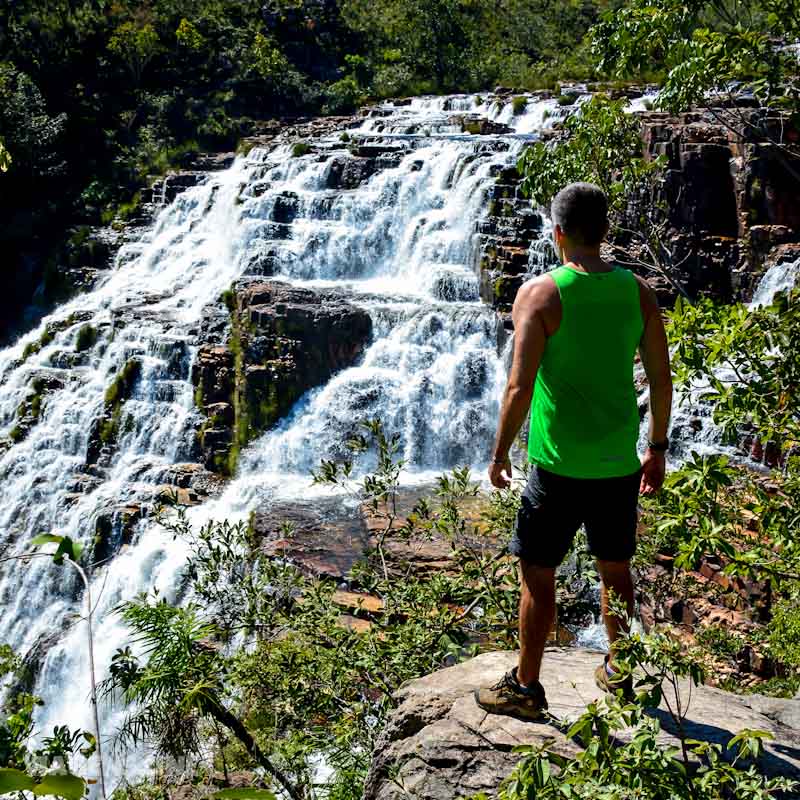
x: 508, y: 682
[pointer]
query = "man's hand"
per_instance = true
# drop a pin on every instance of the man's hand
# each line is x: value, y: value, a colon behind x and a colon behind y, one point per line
x: 500, y: 473
x: 654, y: 468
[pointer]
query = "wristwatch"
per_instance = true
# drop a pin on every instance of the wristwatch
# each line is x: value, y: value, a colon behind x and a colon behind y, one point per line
x: 658, y: 447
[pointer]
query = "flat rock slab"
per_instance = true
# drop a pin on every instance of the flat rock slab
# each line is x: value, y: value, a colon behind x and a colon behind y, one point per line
x: 323, y: 538
x: 440, y: 745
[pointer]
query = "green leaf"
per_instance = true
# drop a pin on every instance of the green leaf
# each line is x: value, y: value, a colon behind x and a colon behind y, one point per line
x: 14, y: 780
x: 247, y: 793
x: 66, y: 547
x: 70, y: 787
x: 46, y: 538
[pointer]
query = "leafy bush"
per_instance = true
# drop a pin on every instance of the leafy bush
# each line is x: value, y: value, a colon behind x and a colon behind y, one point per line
x: 343, y: 96
x: 703, y: 48
x: 744, y: 362
x: 784, y: 631
x: 518, y: 105
x: 136, y: 45
x: 603, y: 145
x: 300, y: 149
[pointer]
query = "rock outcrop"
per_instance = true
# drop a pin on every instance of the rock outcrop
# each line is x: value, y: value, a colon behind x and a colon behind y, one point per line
x: 327, y: 537
x: 282, y: 342
x: 439, y: 745
x: 728, y: 204
x: 505, y: 236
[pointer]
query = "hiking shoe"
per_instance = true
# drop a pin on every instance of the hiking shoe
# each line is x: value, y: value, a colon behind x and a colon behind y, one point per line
x: 509, y: 698
x: 613, y: 684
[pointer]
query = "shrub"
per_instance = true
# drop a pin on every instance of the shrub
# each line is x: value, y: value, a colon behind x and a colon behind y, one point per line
x: 343, y: 96
x: 519, y: 104
x: 300, y: 149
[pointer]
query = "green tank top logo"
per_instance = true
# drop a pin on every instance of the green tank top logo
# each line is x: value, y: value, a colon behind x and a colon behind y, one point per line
x: 584, y: 413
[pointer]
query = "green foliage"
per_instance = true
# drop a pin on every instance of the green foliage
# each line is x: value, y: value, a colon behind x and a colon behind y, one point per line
x: 5, y: 156
x: 704, y: 46
x: 745, y: 362
x: 29, y: 132
x: 784, y: 631
x: 70, y: 787
x: 86, y: 338
x: 189, y: 36
x: 603, y: 145
x: 300, y: 149
x: 705, y: 508
x: 719, y: 641
x: 15, y: 730
x: 121, y: 387
x: 343, y: 96
x: 519, y: 104
x: 267, y: 60
x: 136, y: 45
x: 47, y: 337
x: 66, y: 547
x: 181, y: 675
x: 417, y: 47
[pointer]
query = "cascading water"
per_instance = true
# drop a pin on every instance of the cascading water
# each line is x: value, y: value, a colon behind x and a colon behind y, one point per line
x: 400, y: 244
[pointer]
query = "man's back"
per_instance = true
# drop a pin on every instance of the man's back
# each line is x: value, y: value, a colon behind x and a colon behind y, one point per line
x: 584, y: 416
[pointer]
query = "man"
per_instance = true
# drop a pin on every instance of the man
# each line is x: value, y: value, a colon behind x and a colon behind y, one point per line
x: 577, y: 330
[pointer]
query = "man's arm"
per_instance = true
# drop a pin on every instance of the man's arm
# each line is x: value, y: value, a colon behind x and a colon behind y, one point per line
x: 529, y: 340
x: 654, y: 352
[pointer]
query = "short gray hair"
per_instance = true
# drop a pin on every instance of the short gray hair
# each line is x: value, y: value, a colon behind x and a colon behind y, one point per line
x: 581, y: 209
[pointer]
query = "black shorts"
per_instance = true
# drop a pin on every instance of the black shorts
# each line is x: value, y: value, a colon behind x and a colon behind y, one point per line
x: 554, y: 507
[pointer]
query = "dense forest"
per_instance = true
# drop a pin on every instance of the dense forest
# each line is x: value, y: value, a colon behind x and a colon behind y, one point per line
x: 95, y: 96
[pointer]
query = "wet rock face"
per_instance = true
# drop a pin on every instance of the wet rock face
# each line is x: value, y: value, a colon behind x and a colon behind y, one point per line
x: 283, y: 341
x: 439, y: 745
x: 505, y: 236
x: 729, y: 204
x: 728, y: 200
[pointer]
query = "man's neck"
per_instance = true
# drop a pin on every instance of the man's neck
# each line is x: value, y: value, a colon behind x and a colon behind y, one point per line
x: 586, y: 260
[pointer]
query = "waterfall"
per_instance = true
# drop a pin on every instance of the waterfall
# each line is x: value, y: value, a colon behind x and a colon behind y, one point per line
x: 401, y: 245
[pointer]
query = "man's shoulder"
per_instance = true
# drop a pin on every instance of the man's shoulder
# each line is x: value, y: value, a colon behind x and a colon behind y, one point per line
x: 647, y: 297
x: 538, y: 298
x: 540, y: 291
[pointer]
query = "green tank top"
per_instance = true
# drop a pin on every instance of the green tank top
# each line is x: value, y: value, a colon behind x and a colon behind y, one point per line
x: 584, y: 414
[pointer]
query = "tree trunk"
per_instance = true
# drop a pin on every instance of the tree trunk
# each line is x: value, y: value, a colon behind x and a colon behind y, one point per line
x: 237, y: 728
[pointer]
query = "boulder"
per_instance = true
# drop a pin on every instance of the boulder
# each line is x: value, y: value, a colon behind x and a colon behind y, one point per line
x: 348, y: 172
x: 282, y: 342
x: 439, y: 745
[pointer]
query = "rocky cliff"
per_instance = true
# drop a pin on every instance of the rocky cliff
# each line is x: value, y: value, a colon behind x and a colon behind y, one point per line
x: 278, y: 342
x: 439, y: 745
x: 728, y: 201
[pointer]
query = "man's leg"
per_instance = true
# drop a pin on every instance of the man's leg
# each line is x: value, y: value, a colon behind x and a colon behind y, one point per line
x: 616, y: 577
x: 537, y: 611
